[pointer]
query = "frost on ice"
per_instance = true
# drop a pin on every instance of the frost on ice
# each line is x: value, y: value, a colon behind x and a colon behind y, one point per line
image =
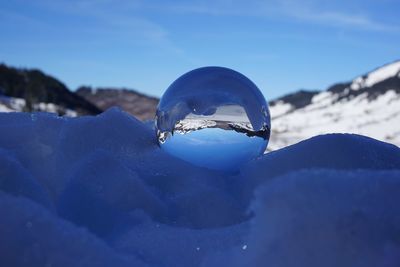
x: 98, y: 191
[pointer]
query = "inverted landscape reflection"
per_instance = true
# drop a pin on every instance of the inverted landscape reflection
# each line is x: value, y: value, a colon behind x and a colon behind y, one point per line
x: 213, y: 117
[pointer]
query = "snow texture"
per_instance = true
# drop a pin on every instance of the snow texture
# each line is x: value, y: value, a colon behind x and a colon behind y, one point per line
x: 14, y: 104
x: 369, y: 105
x: 378, y: 118
x: 376, y: 76
x: 98, y: 191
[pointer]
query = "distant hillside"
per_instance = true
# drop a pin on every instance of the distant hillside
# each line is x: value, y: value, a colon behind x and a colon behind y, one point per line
x: 297, y: 99
x: 32, y: 90
x: 368, y: 105
x: 141, y: 106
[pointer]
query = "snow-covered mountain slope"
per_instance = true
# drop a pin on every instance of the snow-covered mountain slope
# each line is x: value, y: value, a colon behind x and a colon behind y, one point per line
x: 39, y: 92
x: 369, y: 105
x: 15, y: 104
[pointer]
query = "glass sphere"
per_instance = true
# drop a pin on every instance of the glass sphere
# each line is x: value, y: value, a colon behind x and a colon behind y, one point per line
x: 213, y: 117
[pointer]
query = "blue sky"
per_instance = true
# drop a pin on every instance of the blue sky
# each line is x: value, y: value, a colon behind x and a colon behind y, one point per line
x: 281, y: 45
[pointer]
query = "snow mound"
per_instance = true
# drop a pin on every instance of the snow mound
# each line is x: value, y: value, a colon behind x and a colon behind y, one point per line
x: 326, y: 218
x: 331, y: 151
x: 98, y: 191
x: 31, y: 236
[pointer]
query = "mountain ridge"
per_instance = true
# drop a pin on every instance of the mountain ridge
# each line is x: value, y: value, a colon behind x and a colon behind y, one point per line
x: 138, y: 104
x: 369, y: 104
x: 34, y: 89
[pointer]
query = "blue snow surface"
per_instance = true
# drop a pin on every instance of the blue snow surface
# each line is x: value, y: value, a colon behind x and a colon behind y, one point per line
x: 98, y: 191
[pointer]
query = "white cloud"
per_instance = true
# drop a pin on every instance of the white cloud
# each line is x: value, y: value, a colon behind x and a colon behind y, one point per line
x: 118, y: 20
x: 303, y: 11
x: 310, y: 12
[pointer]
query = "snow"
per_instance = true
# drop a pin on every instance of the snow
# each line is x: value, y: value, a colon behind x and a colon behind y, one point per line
x: 17, y: 104
x: 280, y: 108
x: 98, y: 191
x: 326, y: 218
x: 33, y: 236
x: 357, y: 83
x: 12, y: 104
x: 4, y: 108
x: 322, y: 99
x: 378, y: 118
x: 188, y: 125
x: 382, y: 73
x: 5, y: 104
x: 376, y: 76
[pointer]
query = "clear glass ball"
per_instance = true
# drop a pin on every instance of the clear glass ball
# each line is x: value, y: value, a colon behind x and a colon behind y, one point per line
x: 213, y: 117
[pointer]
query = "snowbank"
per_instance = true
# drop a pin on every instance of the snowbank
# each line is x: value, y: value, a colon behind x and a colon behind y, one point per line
x: 98, y: 191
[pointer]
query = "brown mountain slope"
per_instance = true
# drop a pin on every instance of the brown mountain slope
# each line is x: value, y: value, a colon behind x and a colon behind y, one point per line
x: 141, y: 106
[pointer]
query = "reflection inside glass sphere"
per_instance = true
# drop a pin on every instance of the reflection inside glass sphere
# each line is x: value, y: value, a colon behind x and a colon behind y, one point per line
x: 213, y: 117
